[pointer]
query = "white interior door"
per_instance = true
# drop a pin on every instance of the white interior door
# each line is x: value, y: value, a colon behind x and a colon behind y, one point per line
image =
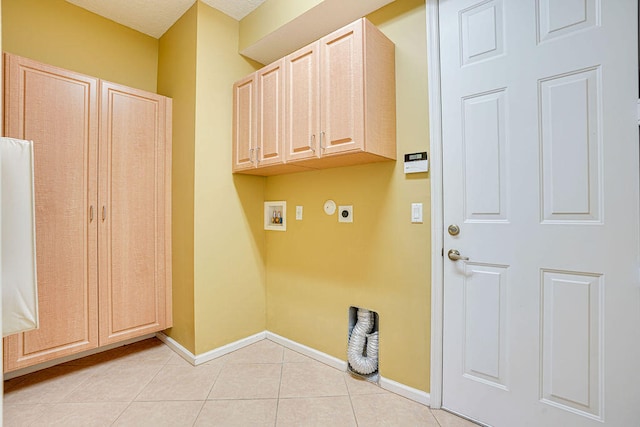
x: 540, y: 174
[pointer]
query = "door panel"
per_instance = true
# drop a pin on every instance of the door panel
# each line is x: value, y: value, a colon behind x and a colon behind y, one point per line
x: 571, y: 146
x: 51, y: 106
x: 571, y: 330
x: 485, y: 179
x: 132, y: 235
x: 540, y: 170
x: 485, y: 330
x: 482, y: 31
x: 558, y: 18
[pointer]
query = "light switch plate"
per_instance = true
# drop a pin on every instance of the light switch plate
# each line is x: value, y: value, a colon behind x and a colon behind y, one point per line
x: 298, y: 213
x: 416, y: 213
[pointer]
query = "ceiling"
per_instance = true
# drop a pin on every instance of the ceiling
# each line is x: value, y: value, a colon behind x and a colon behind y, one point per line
x: 154, y: 17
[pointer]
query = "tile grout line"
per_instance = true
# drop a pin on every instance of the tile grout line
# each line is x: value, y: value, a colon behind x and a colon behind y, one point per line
x: 199, y: 412
x: 206, y: 399
x: 147, y: 383
x: 353, y: 410
x: 81, y: 383
x: 434, y: 417
x: 275, y: 421
x: 141, y: 390
x: 215, y: 380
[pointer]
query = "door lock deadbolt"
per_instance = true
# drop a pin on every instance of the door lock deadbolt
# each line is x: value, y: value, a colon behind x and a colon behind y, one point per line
x: 453, y: 230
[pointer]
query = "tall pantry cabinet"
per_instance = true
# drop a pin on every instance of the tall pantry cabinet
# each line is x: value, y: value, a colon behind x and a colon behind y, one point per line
x: 102, y: 157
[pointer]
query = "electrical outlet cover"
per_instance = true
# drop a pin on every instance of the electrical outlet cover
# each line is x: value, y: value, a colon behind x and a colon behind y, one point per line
x: 345, y: 213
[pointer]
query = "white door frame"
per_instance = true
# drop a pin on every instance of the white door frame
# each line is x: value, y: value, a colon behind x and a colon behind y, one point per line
x: 437, y: 202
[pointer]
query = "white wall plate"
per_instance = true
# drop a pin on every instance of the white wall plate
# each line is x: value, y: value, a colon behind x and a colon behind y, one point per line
x: 345, y: 213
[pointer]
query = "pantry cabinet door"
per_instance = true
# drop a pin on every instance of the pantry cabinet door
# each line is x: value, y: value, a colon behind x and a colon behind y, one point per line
x: 342, y: 91
x: 134, y: 219
x: 54, y: 108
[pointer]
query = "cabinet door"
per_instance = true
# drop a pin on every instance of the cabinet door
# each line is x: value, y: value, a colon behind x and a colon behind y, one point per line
x: 302, y: 131
x: 56, y: 109
x: 244, y: 123
x: 270, y: 137
x: 342, y: 115
x: 134, y: 216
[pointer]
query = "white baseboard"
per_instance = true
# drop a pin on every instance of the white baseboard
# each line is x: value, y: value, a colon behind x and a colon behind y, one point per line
x: 210, y: 355
x: 308, y: 351
x: 387, y: 384
x: 177, y: 347
x: 405, y: 391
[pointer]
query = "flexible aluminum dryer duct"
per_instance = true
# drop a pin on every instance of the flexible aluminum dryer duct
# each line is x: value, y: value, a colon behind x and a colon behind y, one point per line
x: 361, y: 363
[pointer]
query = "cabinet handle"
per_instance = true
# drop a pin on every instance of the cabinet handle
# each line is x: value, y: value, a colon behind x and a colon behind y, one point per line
x: 313, y: 138
x: 251, y: 155
x: 257, y: 155
x: 91, y: 214
x: 322, y: 147
x: 104, y: 213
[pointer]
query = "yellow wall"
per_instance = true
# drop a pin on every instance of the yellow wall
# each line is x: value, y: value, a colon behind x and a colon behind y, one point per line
x: 177, y: 79
x: 58, y: 33
x: 318, y: 268
x: 218, y: 241
x: 231, y: 278
x: 229, y: 239
x: 270, y: 16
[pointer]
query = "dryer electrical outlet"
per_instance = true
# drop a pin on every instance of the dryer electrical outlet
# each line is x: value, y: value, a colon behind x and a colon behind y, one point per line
x: 345, y: 213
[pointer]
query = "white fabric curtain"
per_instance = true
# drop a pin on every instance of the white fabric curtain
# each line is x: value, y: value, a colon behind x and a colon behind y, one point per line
x: 17, y: 237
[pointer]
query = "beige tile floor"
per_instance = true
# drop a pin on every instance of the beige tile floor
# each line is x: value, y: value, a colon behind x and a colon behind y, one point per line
x: 264, y: 384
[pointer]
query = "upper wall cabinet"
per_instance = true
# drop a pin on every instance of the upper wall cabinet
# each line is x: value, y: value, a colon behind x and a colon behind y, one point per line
x: 258, y: 122
x: 339, y: 105
x: 258, y: 125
